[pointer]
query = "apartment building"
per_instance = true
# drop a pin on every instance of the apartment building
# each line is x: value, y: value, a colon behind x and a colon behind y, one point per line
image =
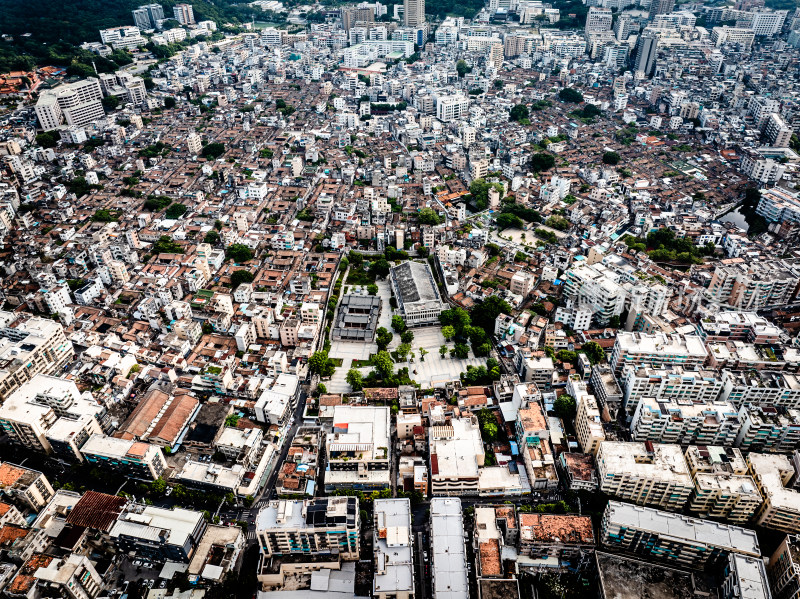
x: 781, y: 507
x: 135, y: 459
x: 644, y: 473
x: 358, y: 449
x: 680, y: 540
x: 323, y: 526
x: 670, y: 384
x: 684, y: 421
x: 606, y: 389
x: 761, y: 388
x: 50, y: 414
x: 768, y: 428
x: 184, y: 14
x: 598, y: 288
x: 722, y: 487
x: 746, y: 576
x: 393, y: 544
x: 783, y: 569
x: 534, y: 369
x: 751, y: 285
x: 588, y: 423
x: 29, y: 486
x: 738, y: 326
x: 37, y: 345
x: 71, y: 577
x: 451, y: 108
x: 657, y: 350
x: 157, y: 533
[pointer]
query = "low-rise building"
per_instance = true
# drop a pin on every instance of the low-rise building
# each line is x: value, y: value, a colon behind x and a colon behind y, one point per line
x: 393, y: 543
x: 132, y: 458
x: 449, y: 572
x: 358, y: 448
x: 157, y: 533
x: 560, y: 541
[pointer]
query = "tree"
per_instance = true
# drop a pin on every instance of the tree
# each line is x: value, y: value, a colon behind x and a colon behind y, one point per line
x: 449, y: 332
x: 611, y: 158
x: 508, y: 221
x: 213, y: 151
x: 212, y: 237
x: 241, y: 276
x: 402, y: 351
x: 462, y: 68
x: 238, y: 252
x: 380, y: 268
x: 541, y: 161
x: 110, y: 102
x: 461, y: 350
x: 484, y: 314
x: 594, y: 352
x: 407, y: 336
x: 398, y: 324
x: 322, y: 389
x: 372, y: 289
x: 570, y: 95
x: 317, y: 362
x: 443, y: 351
x: 422, y: 353
x: 48, y: 139
x: 169, y: 102
x: 382, y: 362
x: 176, y: 211
x: 519, y: 112
x: 427, y: 216
x: 565, y: 407
x: 354, y: 379
x: 567, y: 356
x: 557, y: 222
x: 383, y: 337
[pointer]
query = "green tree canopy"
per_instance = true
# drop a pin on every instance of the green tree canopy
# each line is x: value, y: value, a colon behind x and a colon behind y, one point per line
x: 427, y: 216
x: 241, y: 276
x: 238, y: 252
x: 519, y: 112
x: 569, y: 94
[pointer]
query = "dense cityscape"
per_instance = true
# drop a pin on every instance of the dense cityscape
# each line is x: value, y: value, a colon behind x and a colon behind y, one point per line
x: 400, y: 301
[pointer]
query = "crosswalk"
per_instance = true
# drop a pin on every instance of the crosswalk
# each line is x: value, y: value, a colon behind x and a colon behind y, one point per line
x: 251, y: 535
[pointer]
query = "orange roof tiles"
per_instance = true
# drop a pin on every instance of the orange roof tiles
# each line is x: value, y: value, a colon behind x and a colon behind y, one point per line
x: 490, y: 558
x: 24, y: 580
x: 548, y: 528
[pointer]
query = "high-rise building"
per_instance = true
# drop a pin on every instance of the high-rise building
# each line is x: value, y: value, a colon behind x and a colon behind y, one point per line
x: 661, y: 7
x: 141, y: 18
x: 413, y: 13
x: 76, y: 103
x: 184, y: 14
x: 598, y: 19
x: 781, y: 507
x: 646, y: 52
x: 37, y: 345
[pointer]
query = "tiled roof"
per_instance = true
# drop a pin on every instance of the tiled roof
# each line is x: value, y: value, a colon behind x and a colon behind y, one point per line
x: 96, y: 510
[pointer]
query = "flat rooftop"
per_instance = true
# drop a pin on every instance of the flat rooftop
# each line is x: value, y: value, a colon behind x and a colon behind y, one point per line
x: 682, y: 528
